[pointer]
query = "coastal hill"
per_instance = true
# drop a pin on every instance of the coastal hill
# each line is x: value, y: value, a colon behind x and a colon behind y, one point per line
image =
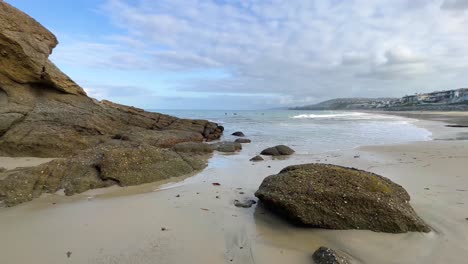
x: 43, y: 113
x: 448, y: 100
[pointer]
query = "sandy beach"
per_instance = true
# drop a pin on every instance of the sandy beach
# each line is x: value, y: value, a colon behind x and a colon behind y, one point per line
x: 194, y: 221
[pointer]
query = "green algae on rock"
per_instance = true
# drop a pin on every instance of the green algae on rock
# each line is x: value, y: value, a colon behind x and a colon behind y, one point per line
x: 335, y: 197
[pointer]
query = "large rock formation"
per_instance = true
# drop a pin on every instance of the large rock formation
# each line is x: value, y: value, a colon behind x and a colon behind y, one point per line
x: 334, y: 197
x: 43, y: 113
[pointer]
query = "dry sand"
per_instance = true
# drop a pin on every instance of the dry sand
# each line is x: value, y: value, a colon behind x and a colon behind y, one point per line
x: 124, y: 225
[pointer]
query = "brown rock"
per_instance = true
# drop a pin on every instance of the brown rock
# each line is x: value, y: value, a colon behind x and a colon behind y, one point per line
x: 334, y: 197
x: 242, y: 140
x: 280, y: 150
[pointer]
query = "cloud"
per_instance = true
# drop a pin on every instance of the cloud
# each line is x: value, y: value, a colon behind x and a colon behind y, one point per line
x: 288, y: 49
x: 455, y: 4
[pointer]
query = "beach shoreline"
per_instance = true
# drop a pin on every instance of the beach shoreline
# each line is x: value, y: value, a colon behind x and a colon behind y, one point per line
x: 108, y: 226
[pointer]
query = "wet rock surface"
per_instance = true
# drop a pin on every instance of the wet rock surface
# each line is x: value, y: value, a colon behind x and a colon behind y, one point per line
x: 280, y: 150
x: 238, y: 134
x: 257, y: 158
x: 43, y: 113
x: 245, y: 203
x: 227, y: 147
x: 243, y: 140
x: 334, y: 197
x: 325, y: 255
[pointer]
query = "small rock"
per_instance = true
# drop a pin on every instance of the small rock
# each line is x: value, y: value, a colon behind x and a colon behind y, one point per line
x: 257, y: 158
x: 325, y: 255
x: 238, y: 134
x: 242, y: 140
x: 245, y: 204
x: 217, y: 196
x: 241, y: 192
x: 69, y: 254
x: 426, y: 188
x: 280, y: 150
x: 163, y: 229
x: 356, y: 156
x: 177, y: 196
x: 216, y: 184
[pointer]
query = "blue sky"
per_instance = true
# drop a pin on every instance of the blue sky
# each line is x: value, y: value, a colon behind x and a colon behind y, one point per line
x: 251, y: 54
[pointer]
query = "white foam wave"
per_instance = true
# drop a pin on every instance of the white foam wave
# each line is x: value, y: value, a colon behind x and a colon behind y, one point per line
x: 340, y: 115
x: 349, y: 116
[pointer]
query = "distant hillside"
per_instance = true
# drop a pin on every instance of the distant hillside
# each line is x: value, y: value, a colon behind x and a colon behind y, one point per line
x: 344, y: 103
x: 447, y: 100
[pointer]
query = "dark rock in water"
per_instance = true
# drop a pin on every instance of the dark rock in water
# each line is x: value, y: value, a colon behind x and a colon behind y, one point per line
x: 244, y: 204
x: 43, y: 113
x: 335, y: 197
x: 257, y: 158
x: 325, y: 255
x: 227, y: 146
x: 280, y: 150
x: 243, y: 140
x: 238, y: 134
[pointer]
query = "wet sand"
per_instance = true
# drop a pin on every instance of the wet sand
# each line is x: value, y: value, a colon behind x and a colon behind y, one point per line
x: 124, y: 225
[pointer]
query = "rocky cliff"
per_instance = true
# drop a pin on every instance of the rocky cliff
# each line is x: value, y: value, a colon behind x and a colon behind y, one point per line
x: 43, y: 113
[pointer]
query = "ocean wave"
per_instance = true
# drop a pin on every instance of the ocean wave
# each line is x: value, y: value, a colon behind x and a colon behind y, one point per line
x: 340, y: 115
x: 351, y: 116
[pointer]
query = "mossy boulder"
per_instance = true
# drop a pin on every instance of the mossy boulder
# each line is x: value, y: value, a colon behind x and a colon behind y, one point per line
x: 280, y: 150
x: 335, y: 197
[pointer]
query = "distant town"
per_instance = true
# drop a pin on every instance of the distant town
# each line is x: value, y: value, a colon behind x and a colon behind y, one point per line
x: 448, y: 100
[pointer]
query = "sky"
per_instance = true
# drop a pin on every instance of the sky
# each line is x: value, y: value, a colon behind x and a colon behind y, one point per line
x: 256, y: 54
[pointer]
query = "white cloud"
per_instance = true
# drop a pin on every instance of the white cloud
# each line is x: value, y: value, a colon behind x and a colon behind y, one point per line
x: 295, y: 49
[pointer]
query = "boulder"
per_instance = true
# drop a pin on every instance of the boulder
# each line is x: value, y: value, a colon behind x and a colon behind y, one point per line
x: 325, y: 255
x: 242, y: 140
x: 238, y: 134
x: 43, y: 113
x: 335, y: 197
x: 227, y: 146
x: 280, y: 150
x: 257, y: 158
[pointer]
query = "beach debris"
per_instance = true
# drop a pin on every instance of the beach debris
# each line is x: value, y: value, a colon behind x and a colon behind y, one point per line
x: 280, y: 150
x: 257, y: 158
x: 163, y: 229
x: 356, y: 156
x: 177, y: 196
x: 314, y: 194
x: 69, y: 254
x: 426, y: 188
x: 204, y: 209
x: 216, y: 184
x: 243, y: 140
x: 241, y: 192
x: 325, y: 255
x: 244, y: 204
x: 238, y: 134
x: 217, y: 196
x: 269, y: 166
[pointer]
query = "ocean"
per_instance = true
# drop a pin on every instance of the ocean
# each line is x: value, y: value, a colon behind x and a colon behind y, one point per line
x: 311, y: 132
